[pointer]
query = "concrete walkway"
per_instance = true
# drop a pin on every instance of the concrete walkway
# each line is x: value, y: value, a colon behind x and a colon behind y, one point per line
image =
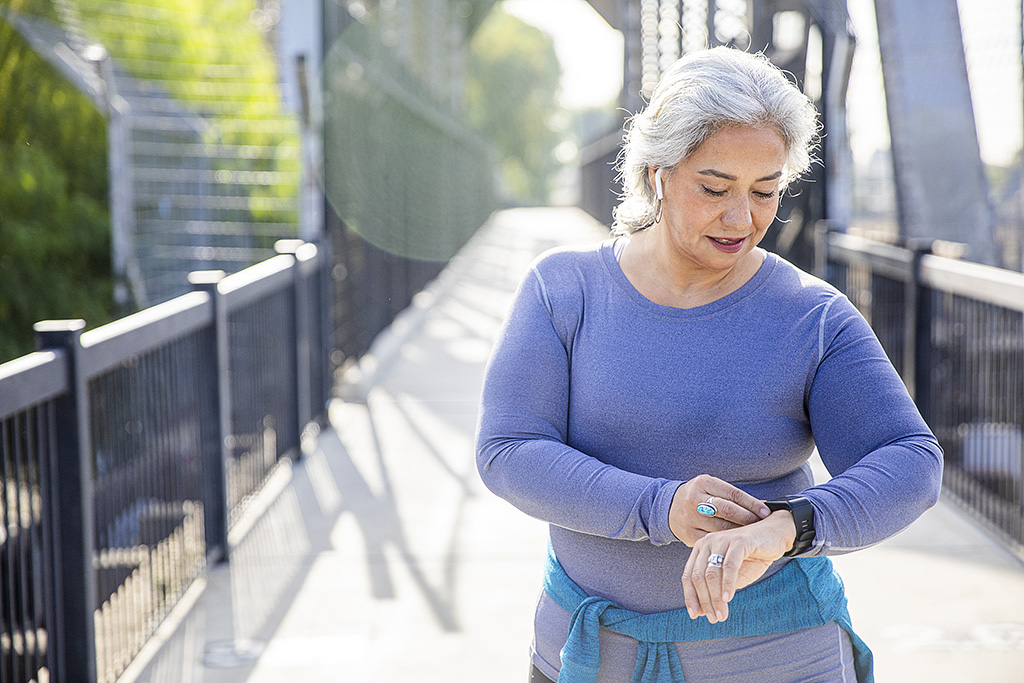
x: 381, y: 557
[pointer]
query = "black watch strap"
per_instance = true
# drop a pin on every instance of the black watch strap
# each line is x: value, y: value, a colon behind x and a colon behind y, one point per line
x: 803, y: 517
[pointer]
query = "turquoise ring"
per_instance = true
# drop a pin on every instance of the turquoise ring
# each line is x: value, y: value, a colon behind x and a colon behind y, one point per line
x: 707, y: 508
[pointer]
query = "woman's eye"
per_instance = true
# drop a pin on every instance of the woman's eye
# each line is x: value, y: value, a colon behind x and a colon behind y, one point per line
x: 713, y: 193
x: 765, y: 195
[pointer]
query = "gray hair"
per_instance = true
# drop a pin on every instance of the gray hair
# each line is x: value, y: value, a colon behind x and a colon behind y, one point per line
x: 698, y: 96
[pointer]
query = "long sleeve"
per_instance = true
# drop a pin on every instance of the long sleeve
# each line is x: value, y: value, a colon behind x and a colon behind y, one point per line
x: 598, y: 403
x: 522, y: 438
x: 885, y: 462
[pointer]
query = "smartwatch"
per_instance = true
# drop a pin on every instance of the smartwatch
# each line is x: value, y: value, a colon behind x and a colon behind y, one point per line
x: 803, y: 517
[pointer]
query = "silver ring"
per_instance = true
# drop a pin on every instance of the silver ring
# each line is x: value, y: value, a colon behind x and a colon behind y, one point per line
x: 716, y: 560
x: 707, y: 508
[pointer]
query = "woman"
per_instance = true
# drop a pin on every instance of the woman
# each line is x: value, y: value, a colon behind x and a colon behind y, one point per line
x: 656, y: 399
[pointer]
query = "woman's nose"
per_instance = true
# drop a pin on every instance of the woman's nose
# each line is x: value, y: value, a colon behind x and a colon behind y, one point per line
x: 738, y: 213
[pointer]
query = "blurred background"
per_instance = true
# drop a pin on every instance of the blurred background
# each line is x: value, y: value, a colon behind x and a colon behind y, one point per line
x: 145, y: 140
x: 197, y: 188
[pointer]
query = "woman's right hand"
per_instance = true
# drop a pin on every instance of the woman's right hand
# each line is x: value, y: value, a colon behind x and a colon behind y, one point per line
x: 733, y: 508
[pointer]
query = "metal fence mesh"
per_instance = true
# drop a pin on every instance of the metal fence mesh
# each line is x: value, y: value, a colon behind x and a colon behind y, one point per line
x: 27, y: 447
x: 965, y: 356
x: 209, y: 166
x: 978, y: 414
x: 262, y: 342
x: 151, y: 419
x: 407, y: 182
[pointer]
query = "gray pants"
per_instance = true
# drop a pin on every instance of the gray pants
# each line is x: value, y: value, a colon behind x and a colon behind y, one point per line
x: 822, y: 654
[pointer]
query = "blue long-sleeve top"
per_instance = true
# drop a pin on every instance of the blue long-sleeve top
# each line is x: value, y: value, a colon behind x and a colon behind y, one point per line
x: 598, y: 403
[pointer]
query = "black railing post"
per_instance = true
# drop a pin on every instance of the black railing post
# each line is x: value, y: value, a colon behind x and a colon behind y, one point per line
x: 324, y: 291
x: 822, y: 228
x: 330, y: 354
x: 73, y: 639
x: 919, y: 332
x: 303, y: 331
x: 214, y: 487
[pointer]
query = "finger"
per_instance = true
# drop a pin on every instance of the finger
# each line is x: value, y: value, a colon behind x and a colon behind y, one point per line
x: 689, y: 591
x: 730, y: 576
x: 742, y: 499
x: 718, y: 514
x: 728, y: 579
x: 733, y: 513
x: 713, y: 570
x: 692, y: 576
x: 699, y: 577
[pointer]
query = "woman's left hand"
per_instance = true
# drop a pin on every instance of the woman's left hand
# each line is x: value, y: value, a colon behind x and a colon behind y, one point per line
x: 745, y: 554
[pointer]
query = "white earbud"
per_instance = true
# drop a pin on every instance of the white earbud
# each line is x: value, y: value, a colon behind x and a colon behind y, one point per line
x: 659, y: 193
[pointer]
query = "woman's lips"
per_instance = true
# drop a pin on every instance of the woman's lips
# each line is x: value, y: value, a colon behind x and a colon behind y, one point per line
x: 729, y: 246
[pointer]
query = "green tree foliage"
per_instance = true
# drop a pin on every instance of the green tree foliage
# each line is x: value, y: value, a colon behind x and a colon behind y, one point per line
x: 54, y: 216
x: 511, y: 97
x: 211, y: 55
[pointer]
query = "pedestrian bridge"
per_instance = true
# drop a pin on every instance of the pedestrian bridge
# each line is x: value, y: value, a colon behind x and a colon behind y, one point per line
x: 268, y: 475
x: 354, y: 541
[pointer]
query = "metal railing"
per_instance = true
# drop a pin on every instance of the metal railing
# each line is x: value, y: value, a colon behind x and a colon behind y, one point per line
x: 955, y: 331
x: 128, y: 451
x: 28, y: 609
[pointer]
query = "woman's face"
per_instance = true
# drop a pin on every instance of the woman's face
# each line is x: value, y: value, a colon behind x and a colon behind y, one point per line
x: 719, y: 201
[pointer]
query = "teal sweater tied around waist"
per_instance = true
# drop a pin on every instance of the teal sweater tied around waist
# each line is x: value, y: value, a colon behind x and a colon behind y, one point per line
x: 805, y: 593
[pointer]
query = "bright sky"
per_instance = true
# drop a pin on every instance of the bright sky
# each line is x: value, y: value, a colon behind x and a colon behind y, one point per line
x: 589, y: 50
x: 992, y: 46
x: 991, y: 40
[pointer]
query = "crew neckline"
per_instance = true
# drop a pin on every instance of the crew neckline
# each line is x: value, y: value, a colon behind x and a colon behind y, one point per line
x: 610, y: 251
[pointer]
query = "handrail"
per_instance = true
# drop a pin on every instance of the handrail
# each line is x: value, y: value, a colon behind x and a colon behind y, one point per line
x: 895, y: 262
x: 152, y: 431
x: 996, y: 286
x: 955, y: 330
x: 31, y: 380
x: 255, y: 282
x: 108, y: 346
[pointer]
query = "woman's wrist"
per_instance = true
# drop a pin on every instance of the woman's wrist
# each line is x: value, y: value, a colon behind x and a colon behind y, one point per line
x: 783, y: 530
x: 800, y: 513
